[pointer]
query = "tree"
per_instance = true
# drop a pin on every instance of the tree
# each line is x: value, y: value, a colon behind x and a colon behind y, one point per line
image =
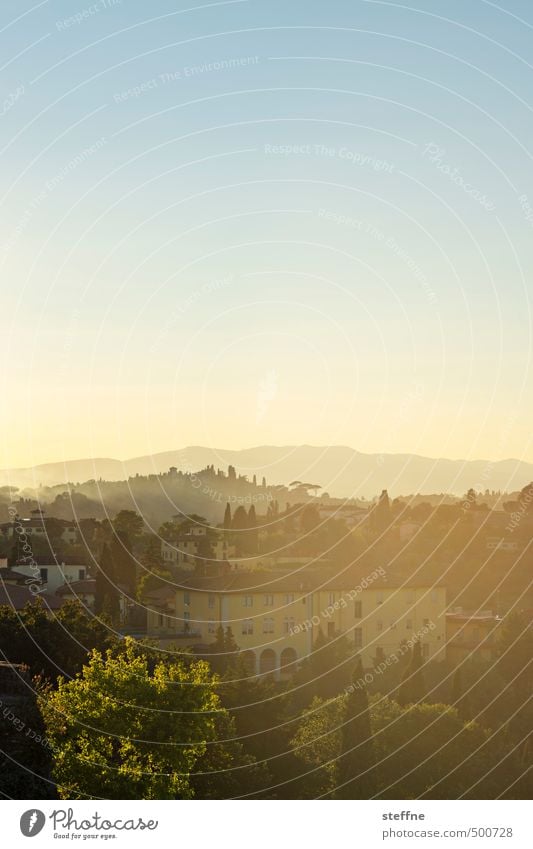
x: 125, y: 564
x: 421, y: 751
x: 26, y: 755
x: 154, y: 574
x: 412, y: 688
x: 51, y: 645
x: 223, y: 650
x: 227, y: 517
x: 122, y: 731
x: 317, y: 744
x: 356, y: 775
x: 310, y: 518
x: 226, y: 770
x: 460, y: 700
x: 325, y: 672
x: 240, y: 528
x: 128, y: 523
x: 381, y: 513
x: 106, y: 599
x: 252, y: 537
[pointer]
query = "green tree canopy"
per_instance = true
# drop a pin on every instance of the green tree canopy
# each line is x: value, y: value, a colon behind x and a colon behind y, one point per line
x: 124, y: 730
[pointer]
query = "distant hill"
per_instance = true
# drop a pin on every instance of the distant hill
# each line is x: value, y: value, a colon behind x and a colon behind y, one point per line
x: 339, y: 470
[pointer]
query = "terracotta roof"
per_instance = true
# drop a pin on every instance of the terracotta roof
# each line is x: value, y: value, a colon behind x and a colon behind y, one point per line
x: 300, y: 581
x: 51, y: 560
x: 9, y: 576
x: 88, y: 585
x: 17, y: 597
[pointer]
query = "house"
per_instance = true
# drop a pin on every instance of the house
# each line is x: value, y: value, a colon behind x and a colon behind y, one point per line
x: 276, y: 617
x: 49, y: 573
x: 471, y: 635
x: 35, y: 526
x: 350, y: 514
x: 85, y: 592
x: 17, y: 597
x: 188, y: 546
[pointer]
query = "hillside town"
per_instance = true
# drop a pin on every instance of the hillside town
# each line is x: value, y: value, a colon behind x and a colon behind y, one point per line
x: 419, y: 608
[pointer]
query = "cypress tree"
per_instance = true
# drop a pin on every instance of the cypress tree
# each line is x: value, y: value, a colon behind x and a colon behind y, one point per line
x: 356, y: 765
x: 227, y: 517
x: 106, y: 597
x: 240, y: 526
x: 412, y: 688
x: 253, y: 536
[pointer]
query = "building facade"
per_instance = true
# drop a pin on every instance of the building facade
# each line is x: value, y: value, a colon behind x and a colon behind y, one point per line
x: 275, y: 619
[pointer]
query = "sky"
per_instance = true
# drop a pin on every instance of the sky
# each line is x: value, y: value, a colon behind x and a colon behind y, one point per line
x: 244, y: 223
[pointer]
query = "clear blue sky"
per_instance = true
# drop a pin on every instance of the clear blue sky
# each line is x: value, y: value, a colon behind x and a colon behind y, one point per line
x: 262, y: 222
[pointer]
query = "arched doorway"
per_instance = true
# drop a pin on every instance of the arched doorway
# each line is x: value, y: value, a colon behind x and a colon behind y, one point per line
x: 287, y: 661
x: 248, y: 659
x: 267, y: 662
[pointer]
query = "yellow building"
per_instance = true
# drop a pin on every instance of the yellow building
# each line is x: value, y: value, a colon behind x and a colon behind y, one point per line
x: 276, y: 617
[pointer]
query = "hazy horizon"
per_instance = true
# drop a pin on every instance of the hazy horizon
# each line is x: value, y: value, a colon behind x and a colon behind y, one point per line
x: 239, y: 448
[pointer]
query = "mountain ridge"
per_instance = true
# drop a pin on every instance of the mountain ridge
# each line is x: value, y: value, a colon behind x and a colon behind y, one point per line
x: 338, y: 469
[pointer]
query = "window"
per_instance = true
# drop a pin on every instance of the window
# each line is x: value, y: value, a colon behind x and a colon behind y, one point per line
x: 268, y: 625
x: 409, y: 625
x: 247, y: 626
x: 268, y: 600
x: 160, y: 620
x: 358, y: 637
x: 44, y: 575
x: 288, y: 625
x: 380, y: 654
x: 380, y: 625
x: 331, y: 629
x: 186, y: 598
x: 248, y: 600
x: 331, y: 598
x: 289, y: 598
x: 211, y: 627
x: 357, y: 609
x: 81, y: 574
x: 379, y: 598
x: 186, y: 616
x: 211, y: 601
x: 426, y: 623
